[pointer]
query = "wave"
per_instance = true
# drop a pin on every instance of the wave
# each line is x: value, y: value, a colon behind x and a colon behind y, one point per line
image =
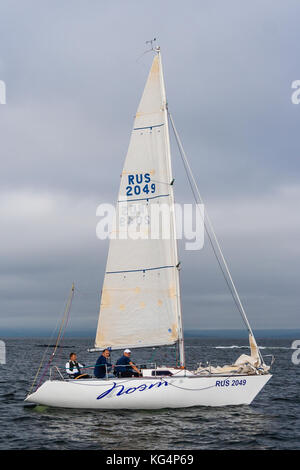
x: 248, y: 347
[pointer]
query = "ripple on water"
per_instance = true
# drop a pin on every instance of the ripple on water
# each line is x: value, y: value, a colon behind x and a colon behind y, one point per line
x: 271, y: 422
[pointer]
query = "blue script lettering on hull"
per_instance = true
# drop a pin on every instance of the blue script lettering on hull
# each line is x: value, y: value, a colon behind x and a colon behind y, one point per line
x: 127, y: 391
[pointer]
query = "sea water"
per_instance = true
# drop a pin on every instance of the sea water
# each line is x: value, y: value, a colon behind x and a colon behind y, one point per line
x: 272, y: 421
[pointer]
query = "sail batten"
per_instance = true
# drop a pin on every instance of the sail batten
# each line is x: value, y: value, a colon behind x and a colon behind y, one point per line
x: 139, y: 270
x: 140, y: 297
x: 146, y: 198
x: 148, y: 127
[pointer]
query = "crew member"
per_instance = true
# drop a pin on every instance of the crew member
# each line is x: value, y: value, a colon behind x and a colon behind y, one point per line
x: 73, y: 368
x: 125, y: 367
x: 102, y: 366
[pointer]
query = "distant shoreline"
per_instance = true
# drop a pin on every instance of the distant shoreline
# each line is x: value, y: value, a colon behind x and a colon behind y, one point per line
x: 226, y: 334
x: 275, y: 333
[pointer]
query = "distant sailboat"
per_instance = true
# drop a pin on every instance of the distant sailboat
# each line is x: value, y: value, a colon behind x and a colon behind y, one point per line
x: 140, y: 304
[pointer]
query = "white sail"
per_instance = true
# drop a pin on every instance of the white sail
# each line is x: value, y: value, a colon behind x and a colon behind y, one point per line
x: 140, y: 303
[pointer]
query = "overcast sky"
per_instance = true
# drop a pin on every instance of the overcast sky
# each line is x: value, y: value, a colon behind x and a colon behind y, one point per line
x: 74, y: 74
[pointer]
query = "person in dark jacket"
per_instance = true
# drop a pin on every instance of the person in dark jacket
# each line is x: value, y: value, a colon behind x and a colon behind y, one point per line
x: 102, y: 366
x: 125, y: 367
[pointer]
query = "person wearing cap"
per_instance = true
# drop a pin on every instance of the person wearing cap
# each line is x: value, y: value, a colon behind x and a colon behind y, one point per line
x: 125, y: 367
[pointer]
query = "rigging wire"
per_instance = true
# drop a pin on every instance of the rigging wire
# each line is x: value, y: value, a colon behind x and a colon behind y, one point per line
x: 59, y: 336
x: 68, y: 310
x: 212, y: 236
x: 44, y: 355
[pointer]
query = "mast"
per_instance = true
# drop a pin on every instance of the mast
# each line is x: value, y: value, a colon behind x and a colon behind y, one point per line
x: 176, y: 260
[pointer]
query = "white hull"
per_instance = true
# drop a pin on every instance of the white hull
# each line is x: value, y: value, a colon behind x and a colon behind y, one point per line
x: 150, y: 393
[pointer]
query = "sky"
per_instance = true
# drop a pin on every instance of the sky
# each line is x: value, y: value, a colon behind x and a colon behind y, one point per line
x: 74, y: 73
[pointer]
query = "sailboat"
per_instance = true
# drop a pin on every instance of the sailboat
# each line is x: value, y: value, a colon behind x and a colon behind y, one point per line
x: 140, y: 303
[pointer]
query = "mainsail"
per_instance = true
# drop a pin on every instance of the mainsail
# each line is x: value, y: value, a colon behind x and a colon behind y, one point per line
x: 140, y: 304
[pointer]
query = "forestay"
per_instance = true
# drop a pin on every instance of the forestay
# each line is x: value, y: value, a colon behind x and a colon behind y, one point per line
x: 140, y: 303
